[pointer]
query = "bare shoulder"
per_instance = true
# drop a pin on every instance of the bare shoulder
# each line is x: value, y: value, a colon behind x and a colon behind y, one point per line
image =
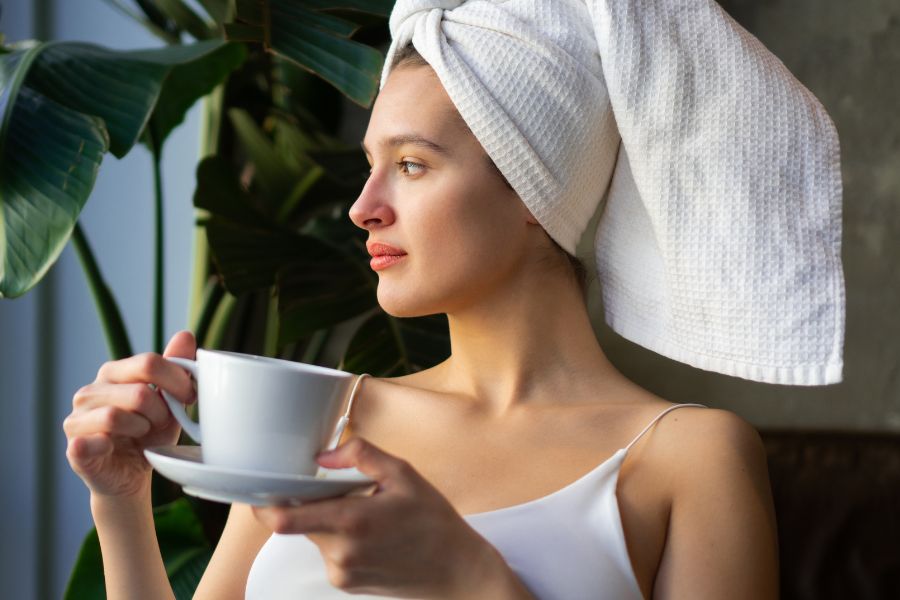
x: 718, y: 440
x: 722, y: 532
x: 374, y: 389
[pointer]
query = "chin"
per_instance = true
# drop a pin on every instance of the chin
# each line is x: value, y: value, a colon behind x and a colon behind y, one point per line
x: 405, y: 304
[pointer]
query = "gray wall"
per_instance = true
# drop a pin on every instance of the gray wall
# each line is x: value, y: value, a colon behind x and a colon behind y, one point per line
x: 56, y: 326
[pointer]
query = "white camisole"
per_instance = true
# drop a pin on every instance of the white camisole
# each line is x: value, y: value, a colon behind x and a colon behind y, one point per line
x: 568, y: 545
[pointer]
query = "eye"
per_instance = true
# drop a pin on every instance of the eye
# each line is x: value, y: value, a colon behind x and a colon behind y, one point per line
x: 407, y: 164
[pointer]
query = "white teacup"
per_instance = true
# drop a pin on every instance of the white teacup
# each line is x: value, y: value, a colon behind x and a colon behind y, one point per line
x: 261, y: 414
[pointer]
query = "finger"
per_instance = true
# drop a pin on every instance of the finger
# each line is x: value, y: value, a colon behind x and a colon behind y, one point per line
x: 106, y: 419
x: 149, y: 367
x: 89, y: 447
x: 368, y: 458
x: 324, y: 516
x: 182, y: 345
x: 134, y: 397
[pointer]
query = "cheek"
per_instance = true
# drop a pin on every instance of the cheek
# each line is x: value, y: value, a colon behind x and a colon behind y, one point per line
x: 462, y: 244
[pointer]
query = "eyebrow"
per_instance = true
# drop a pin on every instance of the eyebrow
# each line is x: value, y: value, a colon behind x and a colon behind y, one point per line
x: 415, y: 140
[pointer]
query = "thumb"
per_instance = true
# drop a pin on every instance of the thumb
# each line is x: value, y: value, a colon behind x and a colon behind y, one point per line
x: 182, y: 345
x: 368, y: 458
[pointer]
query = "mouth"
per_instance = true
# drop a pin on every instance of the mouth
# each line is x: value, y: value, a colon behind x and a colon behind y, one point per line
x: 383, y: 261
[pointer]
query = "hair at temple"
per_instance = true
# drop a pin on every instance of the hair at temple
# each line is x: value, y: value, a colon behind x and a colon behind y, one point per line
x: 408, y: 56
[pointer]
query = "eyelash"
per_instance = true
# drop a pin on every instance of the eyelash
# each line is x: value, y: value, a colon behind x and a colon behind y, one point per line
x: 408, y: 162
x: 405, y: 162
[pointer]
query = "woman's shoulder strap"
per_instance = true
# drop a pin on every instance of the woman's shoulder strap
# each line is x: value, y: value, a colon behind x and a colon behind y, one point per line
x: 342, y: 422
x: 657, y: 418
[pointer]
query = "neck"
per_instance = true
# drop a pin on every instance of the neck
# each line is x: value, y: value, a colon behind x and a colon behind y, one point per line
x: 530, y: 343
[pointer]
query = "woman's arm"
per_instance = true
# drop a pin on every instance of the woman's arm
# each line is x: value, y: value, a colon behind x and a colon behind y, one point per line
x: 132, y: 564
x: 226, y: 575
x: 722, y: 540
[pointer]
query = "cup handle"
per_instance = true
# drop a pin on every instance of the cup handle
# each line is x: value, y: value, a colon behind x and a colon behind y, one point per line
x: 190, y: 427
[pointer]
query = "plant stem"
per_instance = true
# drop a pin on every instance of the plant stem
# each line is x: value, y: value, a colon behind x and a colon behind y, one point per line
x: 219, y: 325
x: 45, y: 442
x: 210, y: 128
x: 313, y: 349
x: 107, y: 309
x: 159, y: 267
x: 212, y: 297
x: 270, y: 344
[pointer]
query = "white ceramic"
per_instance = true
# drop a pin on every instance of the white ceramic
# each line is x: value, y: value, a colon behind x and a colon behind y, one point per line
x: 185, y: 465
x: 262, y: 414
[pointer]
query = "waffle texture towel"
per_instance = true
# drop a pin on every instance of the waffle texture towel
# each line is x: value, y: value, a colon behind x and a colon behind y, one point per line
x: 719, y: 241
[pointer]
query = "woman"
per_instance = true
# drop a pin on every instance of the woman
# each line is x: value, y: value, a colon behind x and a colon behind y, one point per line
x: 523, y: 466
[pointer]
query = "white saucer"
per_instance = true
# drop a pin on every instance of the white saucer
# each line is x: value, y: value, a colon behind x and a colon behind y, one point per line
x: 184, y: 465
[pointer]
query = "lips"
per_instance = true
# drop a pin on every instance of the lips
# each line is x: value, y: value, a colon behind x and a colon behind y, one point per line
x: 384, y: 255
x: 379, y: 249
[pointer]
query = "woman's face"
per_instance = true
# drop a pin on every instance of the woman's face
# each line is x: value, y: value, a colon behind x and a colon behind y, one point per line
x: 433, y: 195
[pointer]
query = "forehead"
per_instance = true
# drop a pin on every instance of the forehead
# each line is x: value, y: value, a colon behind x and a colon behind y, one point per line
x: 414, y: 103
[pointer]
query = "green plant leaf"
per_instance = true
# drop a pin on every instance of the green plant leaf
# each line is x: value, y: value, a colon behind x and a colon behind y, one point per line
x: 185, y: 18
x: 271, y: 171
x: 249, y: 257
x: 86, y: 580
x: 63, y: 105
x: 217, y: 9
x: 194, y: 71
x: 122, y: 88
x: 49, y: 158
x: 380, y: 8
x: 320, y: 293
x: 385, y: 345
x: 185, y: 581
x: 302, y: 32
x: 219, y: 191
x: 182, y: 543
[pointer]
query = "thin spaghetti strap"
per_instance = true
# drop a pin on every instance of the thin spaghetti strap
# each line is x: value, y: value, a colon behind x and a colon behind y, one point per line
x: 653, y: 422
x: 342, y: 422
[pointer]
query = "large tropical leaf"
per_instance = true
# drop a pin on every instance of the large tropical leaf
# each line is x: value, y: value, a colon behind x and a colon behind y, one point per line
x: 248, y: 258
x: 303, y: 32
x: 195, y: 71
x: 319, y: 284
x: 185, y: 17
x: 62, y: 106
x: 297, y: 178
x: 276, y: 174
x: 182, y: 542
x: 386, y: 345
x: 316, y: 294
x: 49, y: 158
x: 219, y: 192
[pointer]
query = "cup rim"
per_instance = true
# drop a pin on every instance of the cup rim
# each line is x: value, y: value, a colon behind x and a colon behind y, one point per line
x: 276, y: 363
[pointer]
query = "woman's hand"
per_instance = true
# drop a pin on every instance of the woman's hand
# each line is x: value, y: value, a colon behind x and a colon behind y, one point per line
x: 406, y: 540
x: 118, y: 415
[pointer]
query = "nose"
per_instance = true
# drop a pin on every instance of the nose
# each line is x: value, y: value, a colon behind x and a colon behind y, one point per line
x: 371, y: 209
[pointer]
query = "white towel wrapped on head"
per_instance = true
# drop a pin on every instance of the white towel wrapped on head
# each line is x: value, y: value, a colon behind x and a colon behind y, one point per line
x: 719, y: 244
